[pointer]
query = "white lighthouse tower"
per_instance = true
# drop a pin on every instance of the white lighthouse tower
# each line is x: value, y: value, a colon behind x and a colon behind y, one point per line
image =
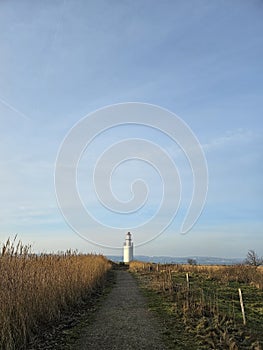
x: 128, y: 249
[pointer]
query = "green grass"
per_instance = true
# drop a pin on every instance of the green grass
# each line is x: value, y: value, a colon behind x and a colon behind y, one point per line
x: 175, y: 335
x: 208, y: 315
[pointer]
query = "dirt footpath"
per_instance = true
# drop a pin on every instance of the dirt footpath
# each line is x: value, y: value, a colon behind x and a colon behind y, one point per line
x: 123, y: 321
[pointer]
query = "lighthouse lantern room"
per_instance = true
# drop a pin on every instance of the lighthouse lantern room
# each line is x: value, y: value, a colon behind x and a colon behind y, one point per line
x: 128, y: 249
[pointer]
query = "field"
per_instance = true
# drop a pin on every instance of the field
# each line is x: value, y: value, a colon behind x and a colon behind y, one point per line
x: 35, y: 290
x: 200, y: 305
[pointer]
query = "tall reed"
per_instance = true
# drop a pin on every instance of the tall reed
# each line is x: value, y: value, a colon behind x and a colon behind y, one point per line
x: 36, y: 289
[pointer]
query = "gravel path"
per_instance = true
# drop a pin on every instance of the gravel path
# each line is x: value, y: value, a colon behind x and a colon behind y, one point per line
x: 123, y: 321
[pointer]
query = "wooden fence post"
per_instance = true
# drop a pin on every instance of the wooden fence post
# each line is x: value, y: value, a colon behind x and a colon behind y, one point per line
x: 242, y: 306
x: 187, y: 280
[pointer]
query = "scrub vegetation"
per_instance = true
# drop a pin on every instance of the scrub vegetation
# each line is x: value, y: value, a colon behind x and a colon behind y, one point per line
x: 200, y: 305
x: 36, y: 290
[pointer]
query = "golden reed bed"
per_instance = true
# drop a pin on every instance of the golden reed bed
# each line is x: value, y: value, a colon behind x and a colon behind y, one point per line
x: 35, y: 289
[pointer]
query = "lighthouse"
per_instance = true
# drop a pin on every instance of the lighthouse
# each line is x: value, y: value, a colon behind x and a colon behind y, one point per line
x: 128, y: 249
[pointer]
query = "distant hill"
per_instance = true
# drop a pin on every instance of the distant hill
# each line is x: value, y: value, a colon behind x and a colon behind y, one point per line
x: 200, y: 260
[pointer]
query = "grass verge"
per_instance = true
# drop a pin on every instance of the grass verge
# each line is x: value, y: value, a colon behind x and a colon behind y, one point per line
x: 205, y: 313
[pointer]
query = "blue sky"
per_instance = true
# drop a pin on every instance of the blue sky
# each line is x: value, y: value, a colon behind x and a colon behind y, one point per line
x: 202, y: 60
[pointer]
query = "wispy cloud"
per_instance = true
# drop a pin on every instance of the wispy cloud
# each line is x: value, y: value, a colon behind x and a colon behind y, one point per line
x: 14, y: 109
x: 63, y: 60
x: 233, y: 137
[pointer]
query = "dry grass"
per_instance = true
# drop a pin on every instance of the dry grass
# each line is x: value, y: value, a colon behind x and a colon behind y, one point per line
x: 208, y: 304
x: 234, y: 273
x: 35, y: 289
